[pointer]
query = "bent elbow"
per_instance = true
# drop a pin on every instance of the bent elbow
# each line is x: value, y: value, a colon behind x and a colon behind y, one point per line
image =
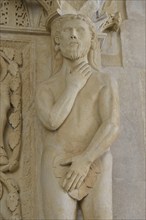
x: 48, y: 124
x: 52, y: 124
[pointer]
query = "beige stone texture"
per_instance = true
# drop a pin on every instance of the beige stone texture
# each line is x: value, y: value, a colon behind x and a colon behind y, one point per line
x: 30, y: 38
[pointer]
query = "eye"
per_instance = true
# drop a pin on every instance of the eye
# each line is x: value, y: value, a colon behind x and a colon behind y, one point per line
x: 67, y: 29
x: 81, y: 30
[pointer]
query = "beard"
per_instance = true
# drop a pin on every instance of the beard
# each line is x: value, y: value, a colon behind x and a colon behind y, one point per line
x: 74, y: 52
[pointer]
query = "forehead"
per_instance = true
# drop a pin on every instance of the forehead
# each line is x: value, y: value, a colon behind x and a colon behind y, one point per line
x: 75, y: 23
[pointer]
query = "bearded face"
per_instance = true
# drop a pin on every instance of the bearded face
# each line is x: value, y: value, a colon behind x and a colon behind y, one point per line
x: 75, y: 39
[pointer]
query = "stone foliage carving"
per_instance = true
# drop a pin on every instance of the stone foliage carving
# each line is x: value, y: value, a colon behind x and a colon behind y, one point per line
x: 109, y: 16
x: 14, y: 13
x: 111, y: 23
x: 4, y: 9
x: 109, y: 19
x: 21, y: 14
x: 79, y: 108
x: 21, y: 53
x: 10, y: 126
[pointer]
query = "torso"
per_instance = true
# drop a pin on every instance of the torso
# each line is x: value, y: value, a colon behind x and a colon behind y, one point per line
x: 77, y: 131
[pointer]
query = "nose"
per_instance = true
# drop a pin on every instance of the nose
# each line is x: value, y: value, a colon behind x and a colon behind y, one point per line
x: 73, y: 34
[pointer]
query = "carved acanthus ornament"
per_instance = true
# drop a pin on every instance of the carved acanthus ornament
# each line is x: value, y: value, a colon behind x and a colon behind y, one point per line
x: 10, y: 126
x: 24, y: 17
x: 108, y: 18
x: 103, y: 13
x: 18, y: 11
x: 112, y: 22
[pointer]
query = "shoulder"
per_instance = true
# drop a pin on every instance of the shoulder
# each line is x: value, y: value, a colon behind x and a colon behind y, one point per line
x: 105, y: 82
x: 102, y: 78
x: 105, y: 79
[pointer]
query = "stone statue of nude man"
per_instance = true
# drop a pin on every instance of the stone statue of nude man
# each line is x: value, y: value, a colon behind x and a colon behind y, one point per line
x: 79, y: 108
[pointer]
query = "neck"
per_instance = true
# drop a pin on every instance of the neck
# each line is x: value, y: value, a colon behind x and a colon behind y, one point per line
x: 69, y: 65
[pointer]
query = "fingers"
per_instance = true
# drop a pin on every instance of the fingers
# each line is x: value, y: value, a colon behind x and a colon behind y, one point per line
x: 70, y: 173
x: 85, y: 70
x: 82, y: 67
x: 74, y: 182
x: 86, y: 73
x: 79, y: 77
x: 68, y: 182
x: 68, y: 176
x: 80, y: 182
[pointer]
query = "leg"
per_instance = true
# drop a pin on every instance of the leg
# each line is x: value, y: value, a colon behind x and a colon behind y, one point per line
x: 98, y: 204
x: 57, y: 203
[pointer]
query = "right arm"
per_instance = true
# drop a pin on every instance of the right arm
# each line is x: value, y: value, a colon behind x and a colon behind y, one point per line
x: 53, y: 113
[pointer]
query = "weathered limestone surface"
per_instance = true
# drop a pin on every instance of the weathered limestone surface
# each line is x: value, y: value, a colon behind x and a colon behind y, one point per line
x: 133, y: 45
x: 129, y: 149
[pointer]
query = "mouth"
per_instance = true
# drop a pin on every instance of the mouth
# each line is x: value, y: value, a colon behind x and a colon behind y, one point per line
x: 73, y: 43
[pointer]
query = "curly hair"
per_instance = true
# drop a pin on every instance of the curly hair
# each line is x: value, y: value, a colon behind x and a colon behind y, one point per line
x: 56, y: 25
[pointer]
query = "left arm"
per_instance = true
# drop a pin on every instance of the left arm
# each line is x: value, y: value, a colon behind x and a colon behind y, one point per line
x: 109, y: 115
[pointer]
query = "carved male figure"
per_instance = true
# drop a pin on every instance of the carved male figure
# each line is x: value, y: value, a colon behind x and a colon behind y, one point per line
x: 79, y: 108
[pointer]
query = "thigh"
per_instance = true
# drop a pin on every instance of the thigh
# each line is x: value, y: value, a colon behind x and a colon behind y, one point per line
x: 98, y: 203
x: 57, y: 204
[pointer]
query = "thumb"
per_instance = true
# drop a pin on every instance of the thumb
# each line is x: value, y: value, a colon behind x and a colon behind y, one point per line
x: 66, y: 162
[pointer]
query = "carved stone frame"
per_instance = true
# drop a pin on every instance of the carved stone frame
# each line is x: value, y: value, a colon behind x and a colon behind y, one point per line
x: 24, y: 176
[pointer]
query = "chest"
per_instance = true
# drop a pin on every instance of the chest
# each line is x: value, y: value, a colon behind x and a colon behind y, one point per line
x: 87, y: 96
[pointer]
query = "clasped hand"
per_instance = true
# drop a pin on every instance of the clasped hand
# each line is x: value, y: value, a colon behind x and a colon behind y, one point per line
x: 78, y: 171
x: 79, y: 76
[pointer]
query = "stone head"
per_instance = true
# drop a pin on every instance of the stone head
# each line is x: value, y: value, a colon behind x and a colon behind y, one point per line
x: 73, y: 35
